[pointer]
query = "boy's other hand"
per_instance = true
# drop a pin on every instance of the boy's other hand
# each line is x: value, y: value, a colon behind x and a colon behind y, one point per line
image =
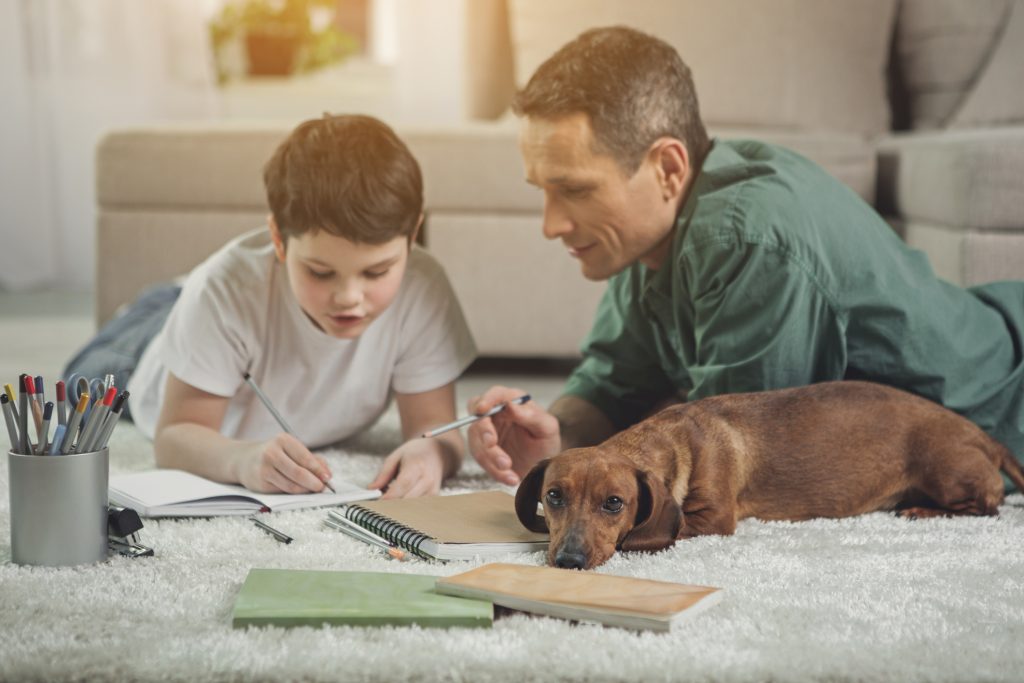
x: 416, y: 468
x: 512, y: 441
x: 284, y: 465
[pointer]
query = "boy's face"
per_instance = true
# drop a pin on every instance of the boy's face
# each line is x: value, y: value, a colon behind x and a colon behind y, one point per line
x: 342, y: 286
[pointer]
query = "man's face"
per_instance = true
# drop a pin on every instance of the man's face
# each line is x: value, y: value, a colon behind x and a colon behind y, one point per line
x: 343, y: 286
x: 606, y: 219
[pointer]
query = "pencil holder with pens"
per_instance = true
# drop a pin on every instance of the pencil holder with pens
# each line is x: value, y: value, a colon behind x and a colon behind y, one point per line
x: 58, y: 508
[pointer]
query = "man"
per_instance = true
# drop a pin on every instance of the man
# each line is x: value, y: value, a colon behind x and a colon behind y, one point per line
x: 731, y: 266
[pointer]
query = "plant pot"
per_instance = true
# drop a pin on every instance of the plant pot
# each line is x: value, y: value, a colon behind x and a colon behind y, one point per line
x: 271, y: 53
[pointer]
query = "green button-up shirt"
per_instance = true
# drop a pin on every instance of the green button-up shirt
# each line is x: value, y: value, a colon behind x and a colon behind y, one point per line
x: 780, y: 275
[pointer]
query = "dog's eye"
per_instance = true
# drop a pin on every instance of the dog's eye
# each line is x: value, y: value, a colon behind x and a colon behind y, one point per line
x: 613, y: 504
x: 554, y: 497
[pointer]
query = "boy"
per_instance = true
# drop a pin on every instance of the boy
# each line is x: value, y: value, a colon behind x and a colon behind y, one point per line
x: 331, y: 311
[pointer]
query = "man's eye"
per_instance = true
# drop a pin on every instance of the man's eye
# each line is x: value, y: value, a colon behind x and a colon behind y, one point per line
x: 377, y: 274
x: 575, y: 192
x: 613, y: 504
x: 554, y: 497
x: 320, y: 274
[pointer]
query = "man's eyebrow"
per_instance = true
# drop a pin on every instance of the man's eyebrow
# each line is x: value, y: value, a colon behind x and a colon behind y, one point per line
x: 562, y: 180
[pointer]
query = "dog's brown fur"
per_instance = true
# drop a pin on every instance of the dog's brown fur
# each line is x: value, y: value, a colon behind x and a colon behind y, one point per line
x: 834, y: 449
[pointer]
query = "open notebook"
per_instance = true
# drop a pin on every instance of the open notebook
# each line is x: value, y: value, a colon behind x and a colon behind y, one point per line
x: 455, y: 527
x: 623, y: 601
x: 174, y: 493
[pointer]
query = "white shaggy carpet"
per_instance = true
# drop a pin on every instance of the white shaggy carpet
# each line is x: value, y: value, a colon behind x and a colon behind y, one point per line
x: 874, y: 598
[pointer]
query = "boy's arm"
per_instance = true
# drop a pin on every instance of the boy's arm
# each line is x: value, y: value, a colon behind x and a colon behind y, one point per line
x: 419, y: 466
x: 188, y: 438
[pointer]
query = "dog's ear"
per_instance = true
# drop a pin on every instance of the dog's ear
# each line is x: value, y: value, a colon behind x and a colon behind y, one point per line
x: 528, y: 495
x: 658, y: 517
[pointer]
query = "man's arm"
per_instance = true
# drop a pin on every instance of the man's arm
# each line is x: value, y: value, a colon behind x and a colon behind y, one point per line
x: 580, y: 423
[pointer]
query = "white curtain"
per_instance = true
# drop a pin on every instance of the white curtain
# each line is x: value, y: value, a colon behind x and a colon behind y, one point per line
x: 69, y: 71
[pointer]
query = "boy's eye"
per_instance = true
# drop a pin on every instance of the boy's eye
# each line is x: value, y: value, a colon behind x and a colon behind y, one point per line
x: 375, y: 274
x: 320, y: 274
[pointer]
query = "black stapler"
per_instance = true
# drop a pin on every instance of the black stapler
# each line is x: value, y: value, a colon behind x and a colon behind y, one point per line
x: 123, y: 526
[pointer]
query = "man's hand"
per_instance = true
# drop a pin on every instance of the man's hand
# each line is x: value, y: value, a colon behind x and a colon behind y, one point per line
x: 512, y: 441
x: 283, y: 465
x: 416, y: 468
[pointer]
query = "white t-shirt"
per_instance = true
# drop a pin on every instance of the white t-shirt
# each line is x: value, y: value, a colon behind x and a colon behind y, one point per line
x: 237, y: 314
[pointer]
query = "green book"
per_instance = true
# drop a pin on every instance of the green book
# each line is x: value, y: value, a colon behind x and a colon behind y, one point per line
x: 295, y: 597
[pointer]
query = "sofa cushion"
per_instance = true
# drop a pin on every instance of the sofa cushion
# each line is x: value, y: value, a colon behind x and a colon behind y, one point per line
x: 803, y: 64
x: 997, y: 99
x: 967, y: 179
x: 941, y: 48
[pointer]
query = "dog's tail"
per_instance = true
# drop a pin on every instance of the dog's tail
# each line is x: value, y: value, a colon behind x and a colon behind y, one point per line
x: 1012, y: 469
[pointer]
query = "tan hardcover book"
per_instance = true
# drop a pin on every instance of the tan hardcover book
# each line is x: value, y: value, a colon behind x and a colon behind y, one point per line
x: 455, y: 527
x: 623, y: 601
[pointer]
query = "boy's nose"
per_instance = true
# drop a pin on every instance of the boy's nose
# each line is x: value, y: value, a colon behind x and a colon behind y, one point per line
x: 347, y: 297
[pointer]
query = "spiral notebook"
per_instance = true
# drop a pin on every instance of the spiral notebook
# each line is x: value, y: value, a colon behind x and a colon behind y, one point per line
x: 457, y: 527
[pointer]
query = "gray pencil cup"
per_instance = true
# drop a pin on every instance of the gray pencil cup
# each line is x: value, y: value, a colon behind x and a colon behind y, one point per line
x: 58, y: 508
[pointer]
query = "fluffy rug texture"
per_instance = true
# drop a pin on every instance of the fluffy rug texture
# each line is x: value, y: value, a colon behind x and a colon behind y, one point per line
x: 874, y: 598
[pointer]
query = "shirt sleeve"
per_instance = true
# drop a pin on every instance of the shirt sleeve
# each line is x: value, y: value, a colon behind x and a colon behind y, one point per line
x: 761, y: 321
x: 436, y: 344
x: 621, y: 372
x: 205, y: 344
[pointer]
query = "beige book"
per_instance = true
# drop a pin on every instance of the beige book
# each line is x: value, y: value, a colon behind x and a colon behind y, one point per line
x: 455, y: 527
x: 623, y: 601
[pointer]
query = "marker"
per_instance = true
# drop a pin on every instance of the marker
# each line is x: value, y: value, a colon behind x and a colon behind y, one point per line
x: 12, y: 427
x: 87, y: 444
x: 23, y: 413
x: 74, y: 423
x: 40, y: 394
x: 273, y: 411
x: 44, y: 429
x: 9, y: 390
x: 58, y: 437
x: 111, y: 421
x: 278, y: 535
x: 62, y: 417
x: 470, y: 419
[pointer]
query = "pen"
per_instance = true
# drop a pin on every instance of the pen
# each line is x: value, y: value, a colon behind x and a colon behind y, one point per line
x: 470, y: 419
x: 112, y: 417
x: 44, y: 430
x: 74, y: 423
x: 37, y: 410
x: 58, y: 437
x: 87, y: 443
x: 12, y: 427
x: 365, y: 536
x: 39, y: 390
x: 23, y: 412
x: 278, y: 535
x: 273, y: 411
x: 62, y: 416
x: 9, y: 390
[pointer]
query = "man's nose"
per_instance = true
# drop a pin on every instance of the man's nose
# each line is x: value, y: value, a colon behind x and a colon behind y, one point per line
x: 556, y: 221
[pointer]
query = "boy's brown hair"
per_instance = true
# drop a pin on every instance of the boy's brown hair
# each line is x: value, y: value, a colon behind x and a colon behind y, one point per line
x: 349, y: 175
x: 634, y: 88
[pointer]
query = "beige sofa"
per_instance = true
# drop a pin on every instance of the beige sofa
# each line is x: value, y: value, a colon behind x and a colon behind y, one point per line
x: 832, y: 80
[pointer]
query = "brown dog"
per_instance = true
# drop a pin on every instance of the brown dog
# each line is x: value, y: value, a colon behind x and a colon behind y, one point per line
x: 835, y: 449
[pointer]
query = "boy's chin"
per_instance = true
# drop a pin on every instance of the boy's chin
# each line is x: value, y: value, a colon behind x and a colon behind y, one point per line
x: 344, y: 328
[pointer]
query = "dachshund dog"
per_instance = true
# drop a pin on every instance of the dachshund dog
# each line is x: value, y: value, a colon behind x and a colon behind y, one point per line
x: 835, y: 449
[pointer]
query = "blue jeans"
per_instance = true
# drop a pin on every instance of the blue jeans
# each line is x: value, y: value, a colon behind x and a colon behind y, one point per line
x: 118, y: 346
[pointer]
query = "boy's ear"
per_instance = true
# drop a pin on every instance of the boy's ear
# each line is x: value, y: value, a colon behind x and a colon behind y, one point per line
x: 276, y: 238
x: 416, y: 231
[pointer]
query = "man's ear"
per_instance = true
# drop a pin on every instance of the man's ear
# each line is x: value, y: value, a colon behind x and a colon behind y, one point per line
x: 528, y: 495
x: 276, y: 238
x: 671, y: 162
x: 658, y: 517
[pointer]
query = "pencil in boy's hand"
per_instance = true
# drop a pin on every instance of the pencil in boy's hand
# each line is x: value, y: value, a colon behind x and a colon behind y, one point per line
x: 273, y: 411
x: 470, y: 419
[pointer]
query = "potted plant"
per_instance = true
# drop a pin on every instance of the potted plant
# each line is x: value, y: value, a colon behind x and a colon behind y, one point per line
x: 278, y: 36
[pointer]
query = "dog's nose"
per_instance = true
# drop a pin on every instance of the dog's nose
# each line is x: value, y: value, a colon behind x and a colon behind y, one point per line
x: 567, y: 560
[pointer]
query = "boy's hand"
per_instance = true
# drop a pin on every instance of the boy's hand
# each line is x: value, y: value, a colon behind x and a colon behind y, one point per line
x: 512, y: 441
x: 416, y: 468
x: 284, y: 465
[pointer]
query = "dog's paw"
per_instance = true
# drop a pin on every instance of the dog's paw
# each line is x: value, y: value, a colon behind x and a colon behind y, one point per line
x: 921, y: 513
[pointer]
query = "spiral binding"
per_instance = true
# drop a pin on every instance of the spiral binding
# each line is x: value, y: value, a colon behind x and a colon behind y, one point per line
x: 399, y: 534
